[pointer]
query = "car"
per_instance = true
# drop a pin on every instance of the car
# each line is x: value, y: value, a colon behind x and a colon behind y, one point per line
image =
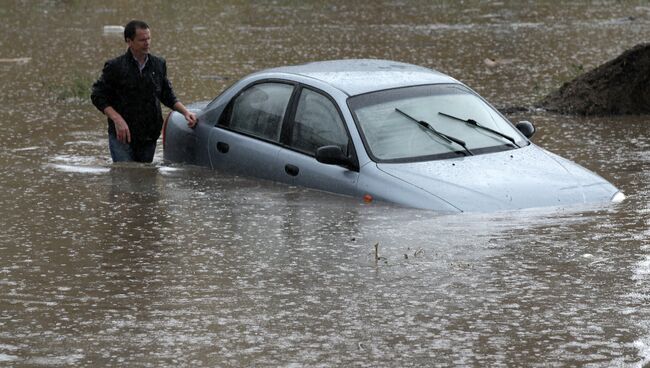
x: 379, y: 130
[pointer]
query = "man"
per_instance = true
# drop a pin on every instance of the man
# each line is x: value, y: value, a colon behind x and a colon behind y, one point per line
x: 129, y: 93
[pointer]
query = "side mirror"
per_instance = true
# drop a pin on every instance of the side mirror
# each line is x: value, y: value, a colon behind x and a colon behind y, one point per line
x: 332, y: 155
x: 526, y: 128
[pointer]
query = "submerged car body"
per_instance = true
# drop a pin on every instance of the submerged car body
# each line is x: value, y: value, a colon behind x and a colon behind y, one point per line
x: 383, y: 130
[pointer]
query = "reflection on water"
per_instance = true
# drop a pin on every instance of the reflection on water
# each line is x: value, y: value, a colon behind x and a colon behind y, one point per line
x: 156, y: 265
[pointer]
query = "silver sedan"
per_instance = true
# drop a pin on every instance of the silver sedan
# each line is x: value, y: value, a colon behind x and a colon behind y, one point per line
x: 379, y: 130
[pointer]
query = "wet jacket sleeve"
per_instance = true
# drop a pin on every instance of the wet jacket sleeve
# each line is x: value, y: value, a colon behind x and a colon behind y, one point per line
x: 167, y: 96
x: 102, y: 90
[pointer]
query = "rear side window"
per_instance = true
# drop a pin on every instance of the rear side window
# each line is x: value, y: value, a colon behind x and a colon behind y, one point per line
x: 260, y: 110
x: 317, y: 124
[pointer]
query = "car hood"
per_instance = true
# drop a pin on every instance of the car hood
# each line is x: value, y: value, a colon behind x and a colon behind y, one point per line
x: 522, y: 178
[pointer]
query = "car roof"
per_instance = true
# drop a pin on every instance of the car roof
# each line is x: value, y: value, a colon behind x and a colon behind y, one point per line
x: 358, y: 76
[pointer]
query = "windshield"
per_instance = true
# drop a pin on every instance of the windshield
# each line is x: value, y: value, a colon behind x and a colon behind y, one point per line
x: 386, y: 121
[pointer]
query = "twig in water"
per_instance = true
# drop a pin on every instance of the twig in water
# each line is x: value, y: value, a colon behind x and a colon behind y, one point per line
x: 376, y: 252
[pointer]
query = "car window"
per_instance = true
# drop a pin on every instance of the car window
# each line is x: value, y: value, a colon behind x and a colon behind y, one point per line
x: 317, y: 124
x: 407, y: 123
x: 260, y: 110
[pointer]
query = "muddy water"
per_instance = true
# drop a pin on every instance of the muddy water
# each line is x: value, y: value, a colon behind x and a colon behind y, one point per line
x: 158, y: 265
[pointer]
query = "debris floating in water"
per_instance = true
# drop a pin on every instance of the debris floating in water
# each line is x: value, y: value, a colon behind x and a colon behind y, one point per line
x: 496, y: 62
x: 215, y: 77
x: 113, y: 30
x: 22, y: 60
x: 490, y: 62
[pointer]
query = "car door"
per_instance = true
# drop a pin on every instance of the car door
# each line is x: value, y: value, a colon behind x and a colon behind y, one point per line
x: 246, y: 138
x: 316, y: 122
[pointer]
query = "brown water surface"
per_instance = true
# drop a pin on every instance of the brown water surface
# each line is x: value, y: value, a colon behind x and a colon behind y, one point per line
x: 158, y: 265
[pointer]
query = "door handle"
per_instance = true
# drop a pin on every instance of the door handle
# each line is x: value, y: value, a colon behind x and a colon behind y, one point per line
x: 291, y: 170
x: 223, y: 147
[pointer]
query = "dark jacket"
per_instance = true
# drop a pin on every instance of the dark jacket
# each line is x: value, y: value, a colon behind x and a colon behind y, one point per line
x: 134, y: 95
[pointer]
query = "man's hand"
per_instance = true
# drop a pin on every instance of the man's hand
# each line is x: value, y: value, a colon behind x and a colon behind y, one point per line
x: 189, y: 116
x: 191, y: 119
x: 121, y: 128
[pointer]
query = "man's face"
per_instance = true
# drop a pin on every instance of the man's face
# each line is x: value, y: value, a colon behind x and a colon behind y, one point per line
x: 140, y: 43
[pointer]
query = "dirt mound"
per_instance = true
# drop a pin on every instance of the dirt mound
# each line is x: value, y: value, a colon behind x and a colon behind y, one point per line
x: 618, y: 87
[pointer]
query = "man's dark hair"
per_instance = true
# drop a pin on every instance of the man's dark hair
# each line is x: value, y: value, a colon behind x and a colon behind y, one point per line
x: 131, y: 27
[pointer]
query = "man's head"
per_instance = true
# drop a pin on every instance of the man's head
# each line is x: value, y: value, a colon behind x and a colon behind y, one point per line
x: 138, y: 37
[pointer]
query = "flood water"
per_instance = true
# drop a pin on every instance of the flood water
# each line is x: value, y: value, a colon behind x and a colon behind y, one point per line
x: 171, y: 265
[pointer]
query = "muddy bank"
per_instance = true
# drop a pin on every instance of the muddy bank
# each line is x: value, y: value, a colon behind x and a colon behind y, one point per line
x: 618, y: 87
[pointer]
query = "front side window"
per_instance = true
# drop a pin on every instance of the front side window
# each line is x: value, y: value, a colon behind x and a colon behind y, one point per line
x: 260, y: 110
x: 317, y: 124
x: 430, y: 122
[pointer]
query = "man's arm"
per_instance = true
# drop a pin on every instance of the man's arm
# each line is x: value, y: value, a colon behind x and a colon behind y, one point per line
x: 102, y: 95
x: 102, y: 91
x: 169, y: 99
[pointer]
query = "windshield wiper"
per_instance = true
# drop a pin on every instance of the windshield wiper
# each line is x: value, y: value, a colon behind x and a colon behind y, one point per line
x: 475, y: 124
x: 443, y: 136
